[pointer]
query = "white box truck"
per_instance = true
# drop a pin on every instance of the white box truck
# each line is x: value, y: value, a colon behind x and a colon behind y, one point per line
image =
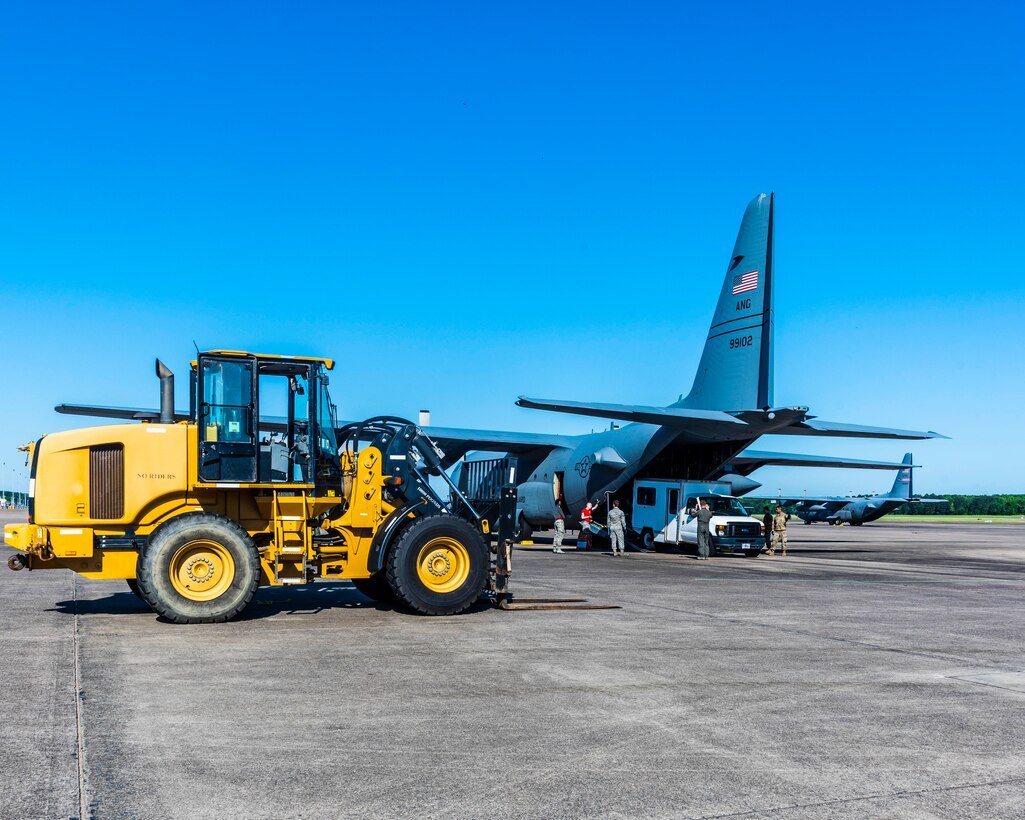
x: 661, y: 516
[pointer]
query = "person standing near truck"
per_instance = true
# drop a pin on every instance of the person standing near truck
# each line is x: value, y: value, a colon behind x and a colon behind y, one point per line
x: 704, y: 517
x: 779, y: 531
x: 767, y: 527
x: 617, y: 529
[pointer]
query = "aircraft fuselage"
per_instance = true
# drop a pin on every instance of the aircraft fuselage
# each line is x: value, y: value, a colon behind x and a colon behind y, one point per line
x: 858, y: 511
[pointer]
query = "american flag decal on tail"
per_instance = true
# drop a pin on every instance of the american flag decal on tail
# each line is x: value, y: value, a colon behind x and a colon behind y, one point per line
x: 745, y: 282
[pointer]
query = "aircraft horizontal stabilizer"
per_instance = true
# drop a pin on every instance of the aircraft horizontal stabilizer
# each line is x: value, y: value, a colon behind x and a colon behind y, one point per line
x: 698, y: 422
x: 817, y: 427
x: 747, y: 461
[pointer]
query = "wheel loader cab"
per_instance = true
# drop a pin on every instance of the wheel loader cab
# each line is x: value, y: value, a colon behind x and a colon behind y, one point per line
x: 265, y: 420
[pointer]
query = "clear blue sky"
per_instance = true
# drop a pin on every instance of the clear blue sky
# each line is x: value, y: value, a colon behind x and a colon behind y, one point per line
x: 463, y: 203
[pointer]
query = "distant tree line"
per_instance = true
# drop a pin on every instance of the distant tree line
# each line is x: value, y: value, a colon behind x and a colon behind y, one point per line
x: 12, y: 497
x: 967, y: 505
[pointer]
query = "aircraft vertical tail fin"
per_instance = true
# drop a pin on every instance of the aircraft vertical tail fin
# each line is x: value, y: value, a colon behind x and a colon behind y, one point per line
x: 735, y: 371
x: 902, y: 483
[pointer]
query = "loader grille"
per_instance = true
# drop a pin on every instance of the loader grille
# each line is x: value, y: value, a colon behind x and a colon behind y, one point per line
x: 107, y: 481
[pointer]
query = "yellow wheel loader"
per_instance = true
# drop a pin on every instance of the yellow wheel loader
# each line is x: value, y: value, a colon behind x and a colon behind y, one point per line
x: 257, y: 485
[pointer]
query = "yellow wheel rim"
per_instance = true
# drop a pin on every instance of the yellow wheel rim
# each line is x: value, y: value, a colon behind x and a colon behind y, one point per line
x: 201, y: 570
x: 443, y: 564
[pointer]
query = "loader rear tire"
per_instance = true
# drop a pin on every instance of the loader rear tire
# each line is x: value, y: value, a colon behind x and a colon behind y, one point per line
x: 438, y: 566
x: 198, y: 568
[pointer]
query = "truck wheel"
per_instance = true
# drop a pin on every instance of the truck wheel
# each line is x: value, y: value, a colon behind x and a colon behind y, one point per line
x: 198, y: 568
x: 648, y: 538
x: 438, y: 566
x: 375, y: 588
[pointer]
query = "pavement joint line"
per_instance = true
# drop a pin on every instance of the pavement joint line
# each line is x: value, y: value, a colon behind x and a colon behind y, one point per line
x: 880, y: 796
x: 968, y: 680
x: 83, y: 791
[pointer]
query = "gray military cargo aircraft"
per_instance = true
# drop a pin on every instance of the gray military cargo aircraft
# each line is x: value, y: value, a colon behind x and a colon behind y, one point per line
x: 702, y: 436
x: 858, y: 511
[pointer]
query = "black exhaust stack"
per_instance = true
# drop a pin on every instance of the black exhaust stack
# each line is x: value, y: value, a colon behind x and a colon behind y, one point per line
x: 166, y: 393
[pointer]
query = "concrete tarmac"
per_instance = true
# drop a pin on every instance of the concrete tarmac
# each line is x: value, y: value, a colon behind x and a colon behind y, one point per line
x: 875, y: 672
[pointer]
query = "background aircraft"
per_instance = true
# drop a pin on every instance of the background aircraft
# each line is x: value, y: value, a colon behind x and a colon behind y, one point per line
x: 857, y: 511
x: 702, y: 436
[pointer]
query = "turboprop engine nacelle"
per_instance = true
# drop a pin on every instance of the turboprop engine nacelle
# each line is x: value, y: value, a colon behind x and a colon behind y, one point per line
x: 536, y: 500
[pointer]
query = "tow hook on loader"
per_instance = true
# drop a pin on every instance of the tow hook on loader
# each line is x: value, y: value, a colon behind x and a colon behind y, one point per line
x: 502, y: 595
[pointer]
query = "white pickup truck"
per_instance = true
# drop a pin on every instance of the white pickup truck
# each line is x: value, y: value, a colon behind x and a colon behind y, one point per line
x: 661, y: 519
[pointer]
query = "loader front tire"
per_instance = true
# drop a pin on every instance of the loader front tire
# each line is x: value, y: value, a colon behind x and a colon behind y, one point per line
x: 438, y: 566
x: 375, y: 588
x: 198, y: 568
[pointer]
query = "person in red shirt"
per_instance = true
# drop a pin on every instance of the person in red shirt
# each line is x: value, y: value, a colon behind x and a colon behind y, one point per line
x: 585, y: 522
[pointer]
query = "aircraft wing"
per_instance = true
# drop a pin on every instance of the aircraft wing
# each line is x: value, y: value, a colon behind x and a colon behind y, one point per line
x: 125, y: 413
x: 831, y: 504
x: 457, y: 442
x: 747, y: 461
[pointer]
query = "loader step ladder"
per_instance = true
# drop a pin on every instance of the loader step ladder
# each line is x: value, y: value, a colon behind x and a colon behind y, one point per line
x: 293, y: 538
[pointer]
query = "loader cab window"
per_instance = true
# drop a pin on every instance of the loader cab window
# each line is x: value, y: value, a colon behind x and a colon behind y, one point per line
x: 228, y: 397
x: 284, y: 423
x: 227, y: 447
x: 328, y: 464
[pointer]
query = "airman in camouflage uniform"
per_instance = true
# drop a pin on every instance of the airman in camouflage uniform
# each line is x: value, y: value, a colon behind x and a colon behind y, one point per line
x: 779, y: 531
x: 560, y: 529
x: 617, y: 529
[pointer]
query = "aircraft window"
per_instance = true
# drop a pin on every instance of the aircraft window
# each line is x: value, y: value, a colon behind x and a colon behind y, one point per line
x: 646, y: 496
